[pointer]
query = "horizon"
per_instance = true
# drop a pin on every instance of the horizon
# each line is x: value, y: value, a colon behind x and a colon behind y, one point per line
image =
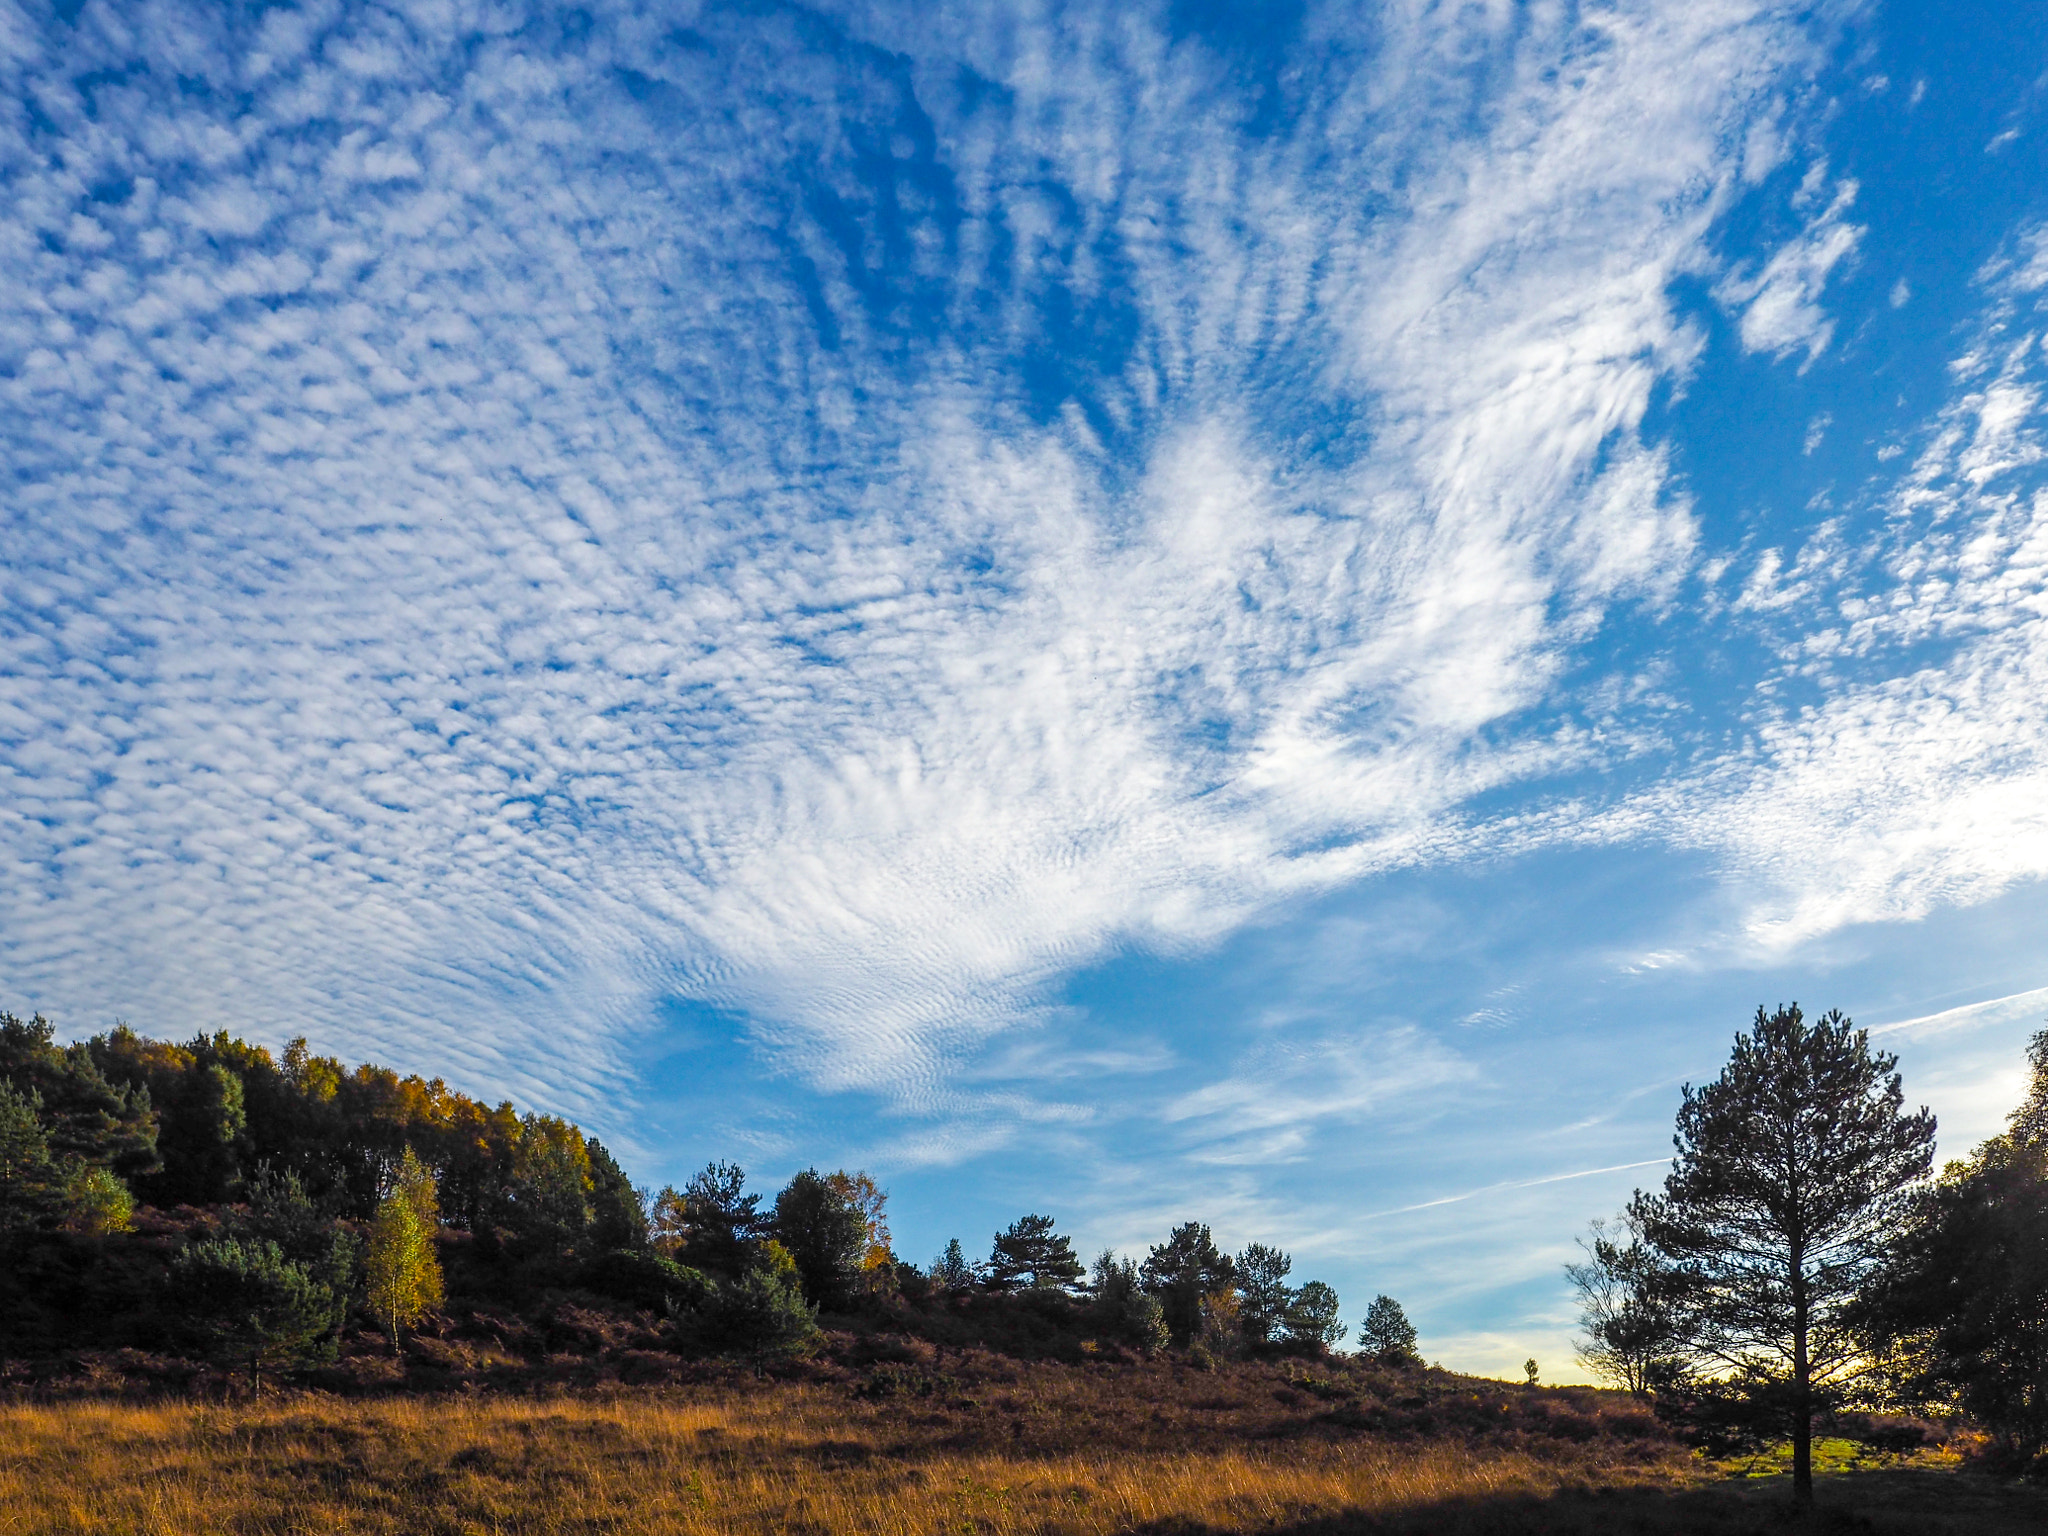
x: 1136, y: 613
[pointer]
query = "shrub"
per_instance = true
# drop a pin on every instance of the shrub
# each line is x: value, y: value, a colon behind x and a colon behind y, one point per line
x: 250, y: 1305
x: 760, y: 1316
x: 642, y: 1280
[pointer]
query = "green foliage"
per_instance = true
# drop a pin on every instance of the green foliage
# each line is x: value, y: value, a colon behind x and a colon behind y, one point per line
x: 31, y: 1184
x: 618, y: 1214
x: 402, y: 1273
x: 1386, y: 1334
x: 97, y: 1203
x: 85, y: 1118
x: 1531, y: 1370
x: 39, y: 1189
x: 1792, y: 1169
x: 760, y: 1316
x: 1219, y: 1326
x: 1311, y: 1320
x: 951, y: 1270
x: 549, y: 1209
x: 712, y: 1223
x: 1028, y: 1254
x: 1960, y: 1313
x: 253, y: 1307
x: 643, y: 1279
x: 1122, y: 1309
x: 1263, y: 1292
x: 204, y: 1115
x: 1628, y: 1322
x: 825, y: 1235
x: 1181, y: 1271
x: 281, y: 1211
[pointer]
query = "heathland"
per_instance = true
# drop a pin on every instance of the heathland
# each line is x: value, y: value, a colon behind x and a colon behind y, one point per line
x: 255, y: 1294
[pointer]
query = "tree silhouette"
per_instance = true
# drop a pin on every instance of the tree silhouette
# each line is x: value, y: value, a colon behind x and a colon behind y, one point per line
x: 1181, y: 1271
x: 1960, y: 1313
x: 1627, y: 1320
x: 1386, y: 1334
x: 1792, y: 1168
x: 1263, y: 1292
x: 1028, y: 1253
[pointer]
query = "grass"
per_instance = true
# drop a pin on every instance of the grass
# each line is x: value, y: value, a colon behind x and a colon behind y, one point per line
x: 1151, y: 1449
x: 793, y: 1459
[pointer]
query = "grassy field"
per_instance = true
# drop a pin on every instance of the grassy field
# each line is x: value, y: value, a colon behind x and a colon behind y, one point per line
x: 1045, y: 1455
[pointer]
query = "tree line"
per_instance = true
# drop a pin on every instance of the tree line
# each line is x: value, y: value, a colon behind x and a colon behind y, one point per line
x: 302, y: 1195
x: 1803, y: 1258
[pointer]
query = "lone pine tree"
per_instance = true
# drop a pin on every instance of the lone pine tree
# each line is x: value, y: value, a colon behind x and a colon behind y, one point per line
x: 1792, y: 1168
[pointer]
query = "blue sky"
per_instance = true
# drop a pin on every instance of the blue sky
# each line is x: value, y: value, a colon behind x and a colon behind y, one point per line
x: 1281, y: 614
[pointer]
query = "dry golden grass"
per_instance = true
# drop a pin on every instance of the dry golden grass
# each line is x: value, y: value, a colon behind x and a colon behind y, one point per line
x: 796, y: 1459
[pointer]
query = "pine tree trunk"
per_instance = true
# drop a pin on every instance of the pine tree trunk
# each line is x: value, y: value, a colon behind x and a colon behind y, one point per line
x: 1802, y: 1394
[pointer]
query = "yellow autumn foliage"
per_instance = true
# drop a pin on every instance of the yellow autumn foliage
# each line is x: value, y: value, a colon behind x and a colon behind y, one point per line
x: 402, y: 1274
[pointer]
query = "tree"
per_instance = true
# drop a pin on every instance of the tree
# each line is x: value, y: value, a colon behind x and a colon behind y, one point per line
x: 204, y: 1116
x: 550, y: 1190
x: 1219, y: 1328
x: 1028, y: 1253
x: 31, y: 1183
x: 618, y: 1215
x: 1122, y: 1307
x: 85, y: 1118
x: 1959, y: 1314
x: 1387, y: 1335
x: 760, y: 1315
x: 1263, y: 1292
x: 401, y: 1273
x: 951, y: 1270
x: 252, y: 1305
x: 2030, y: 1120
x: 1311, y: 1318
x: 41, y: 1190
x: 98, y: 1203
x: 860, y: 1191
x: 825, y: 1234
x: 711, y: 1224
x: 1628, y: 1326
x: 1181, y: 1271
x: 1791, y: 1169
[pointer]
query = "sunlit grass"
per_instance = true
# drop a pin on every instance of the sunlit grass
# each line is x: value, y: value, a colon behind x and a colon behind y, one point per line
x: 798, y: 1459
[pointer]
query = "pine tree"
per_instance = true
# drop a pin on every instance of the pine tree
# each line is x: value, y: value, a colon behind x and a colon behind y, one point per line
x: 1792, y: 1169
x: 31, y: 1184
x: 1311, y: 1318
x: 825, y: 1233
x: 1960, y: 1312
x: 711, y: 1223
x: 1387, y: 1335
x: 1181, y: 1271
x: 401, y: 1273
x: 252, y: 1305
x: 1263, y: 1292
x: 950, y: 1270
x: 1028, y: 1253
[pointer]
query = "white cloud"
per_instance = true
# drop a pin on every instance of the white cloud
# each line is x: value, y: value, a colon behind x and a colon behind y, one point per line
x: 507, y: 533
x: 1780, y: 302
x: 1918, y: 777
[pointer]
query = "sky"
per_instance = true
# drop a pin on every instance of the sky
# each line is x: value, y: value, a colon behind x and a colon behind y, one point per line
x: 1285, y: 615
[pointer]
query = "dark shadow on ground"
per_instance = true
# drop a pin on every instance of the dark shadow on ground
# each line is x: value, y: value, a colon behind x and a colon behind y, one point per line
x: 1881, y: 1503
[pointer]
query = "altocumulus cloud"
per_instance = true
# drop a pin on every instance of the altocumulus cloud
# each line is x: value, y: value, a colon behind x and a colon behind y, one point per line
x: 846, y: 514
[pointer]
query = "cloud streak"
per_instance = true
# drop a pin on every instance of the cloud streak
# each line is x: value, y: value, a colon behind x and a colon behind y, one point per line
x: 841, y: 515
